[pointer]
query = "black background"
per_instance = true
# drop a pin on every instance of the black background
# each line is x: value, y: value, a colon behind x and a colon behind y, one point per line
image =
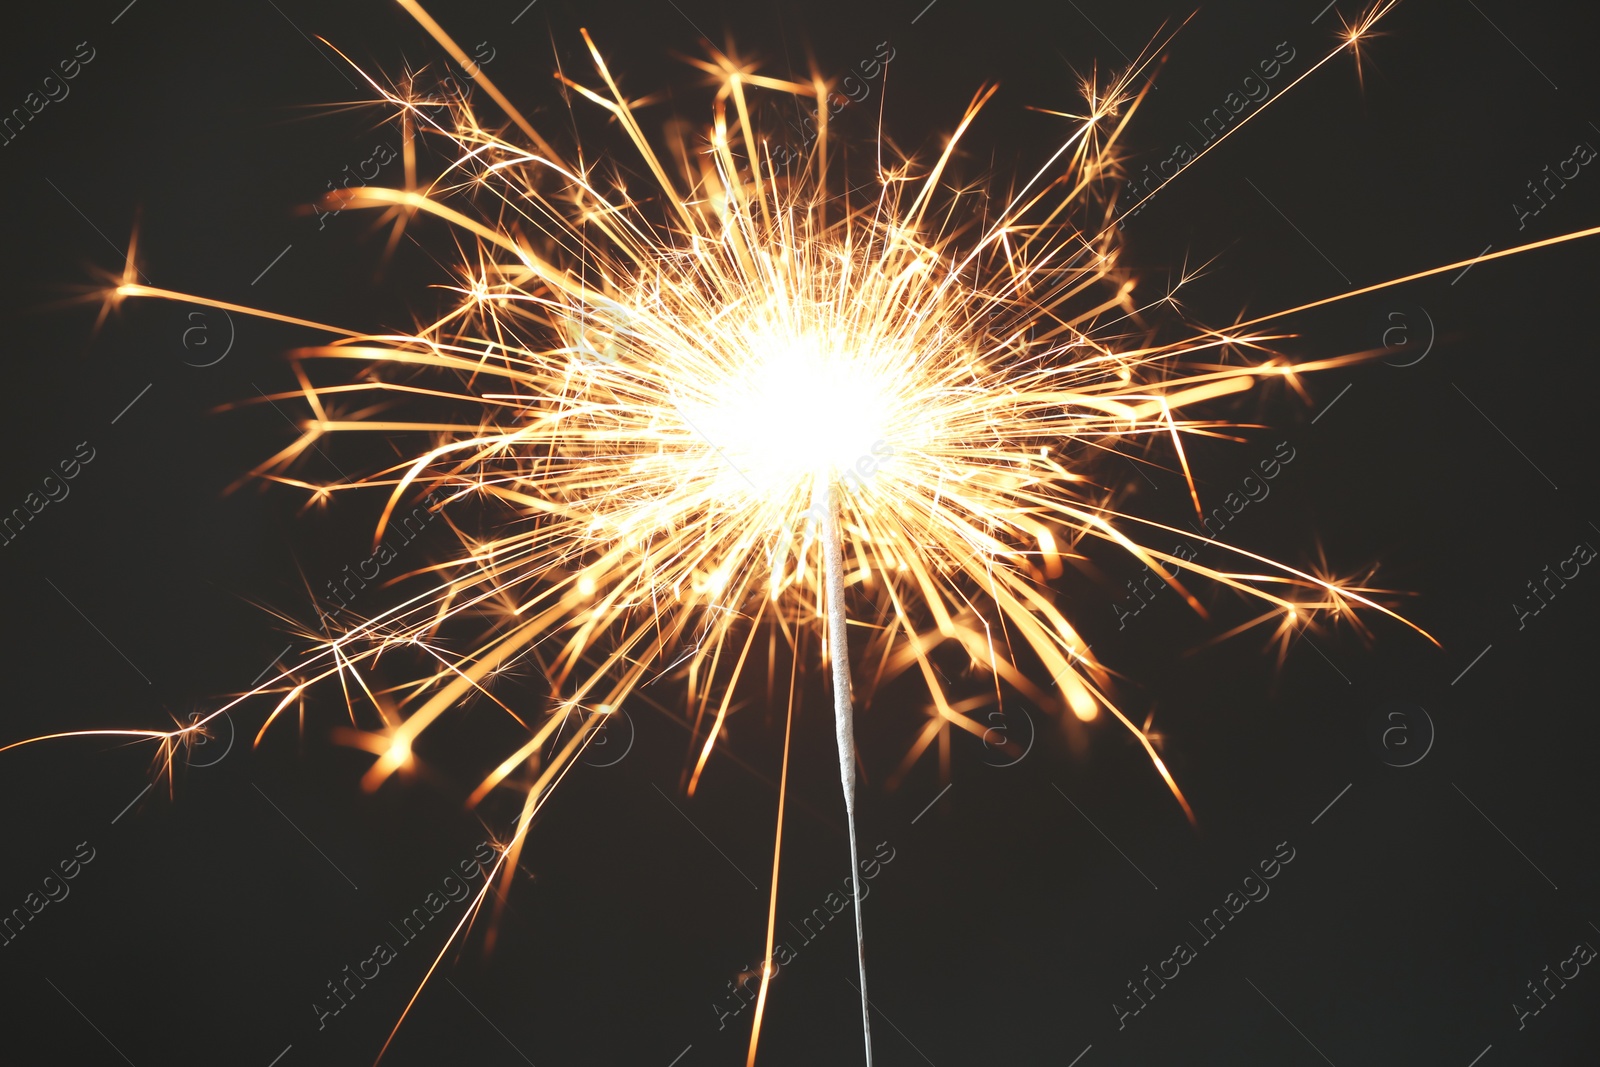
x: 1008, y: 922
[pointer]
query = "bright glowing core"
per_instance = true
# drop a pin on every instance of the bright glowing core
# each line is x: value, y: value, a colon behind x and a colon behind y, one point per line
x: 798, y: 410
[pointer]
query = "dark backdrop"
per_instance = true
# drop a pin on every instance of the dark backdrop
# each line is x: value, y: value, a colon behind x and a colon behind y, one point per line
x: 1421, y: 899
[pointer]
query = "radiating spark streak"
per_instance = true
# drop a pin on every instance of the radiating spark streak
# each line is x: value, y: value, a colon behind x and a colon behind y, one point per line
x: 722, y: 709
x: 132, y: 289
x: 1350, y: 42
x: 1469, y: 266
x: 535, y: 799
x: 777, y: 852
x: 1183, y: 460
x: 313, y: 44
x: 1547, y: 242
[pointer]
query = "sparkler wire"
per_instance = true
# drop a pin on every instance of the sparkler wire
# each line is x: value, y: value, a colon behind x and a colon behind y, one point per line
x: 844, y: 726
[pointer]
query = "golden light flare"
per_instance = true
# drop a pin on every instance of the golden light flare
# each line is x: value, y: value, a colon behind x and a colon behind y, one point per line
x: 645, y: 407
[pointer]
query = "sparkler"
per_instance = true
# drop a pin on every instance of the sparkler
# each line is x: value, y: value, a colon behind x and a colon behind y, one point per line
x: 751, y: 400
